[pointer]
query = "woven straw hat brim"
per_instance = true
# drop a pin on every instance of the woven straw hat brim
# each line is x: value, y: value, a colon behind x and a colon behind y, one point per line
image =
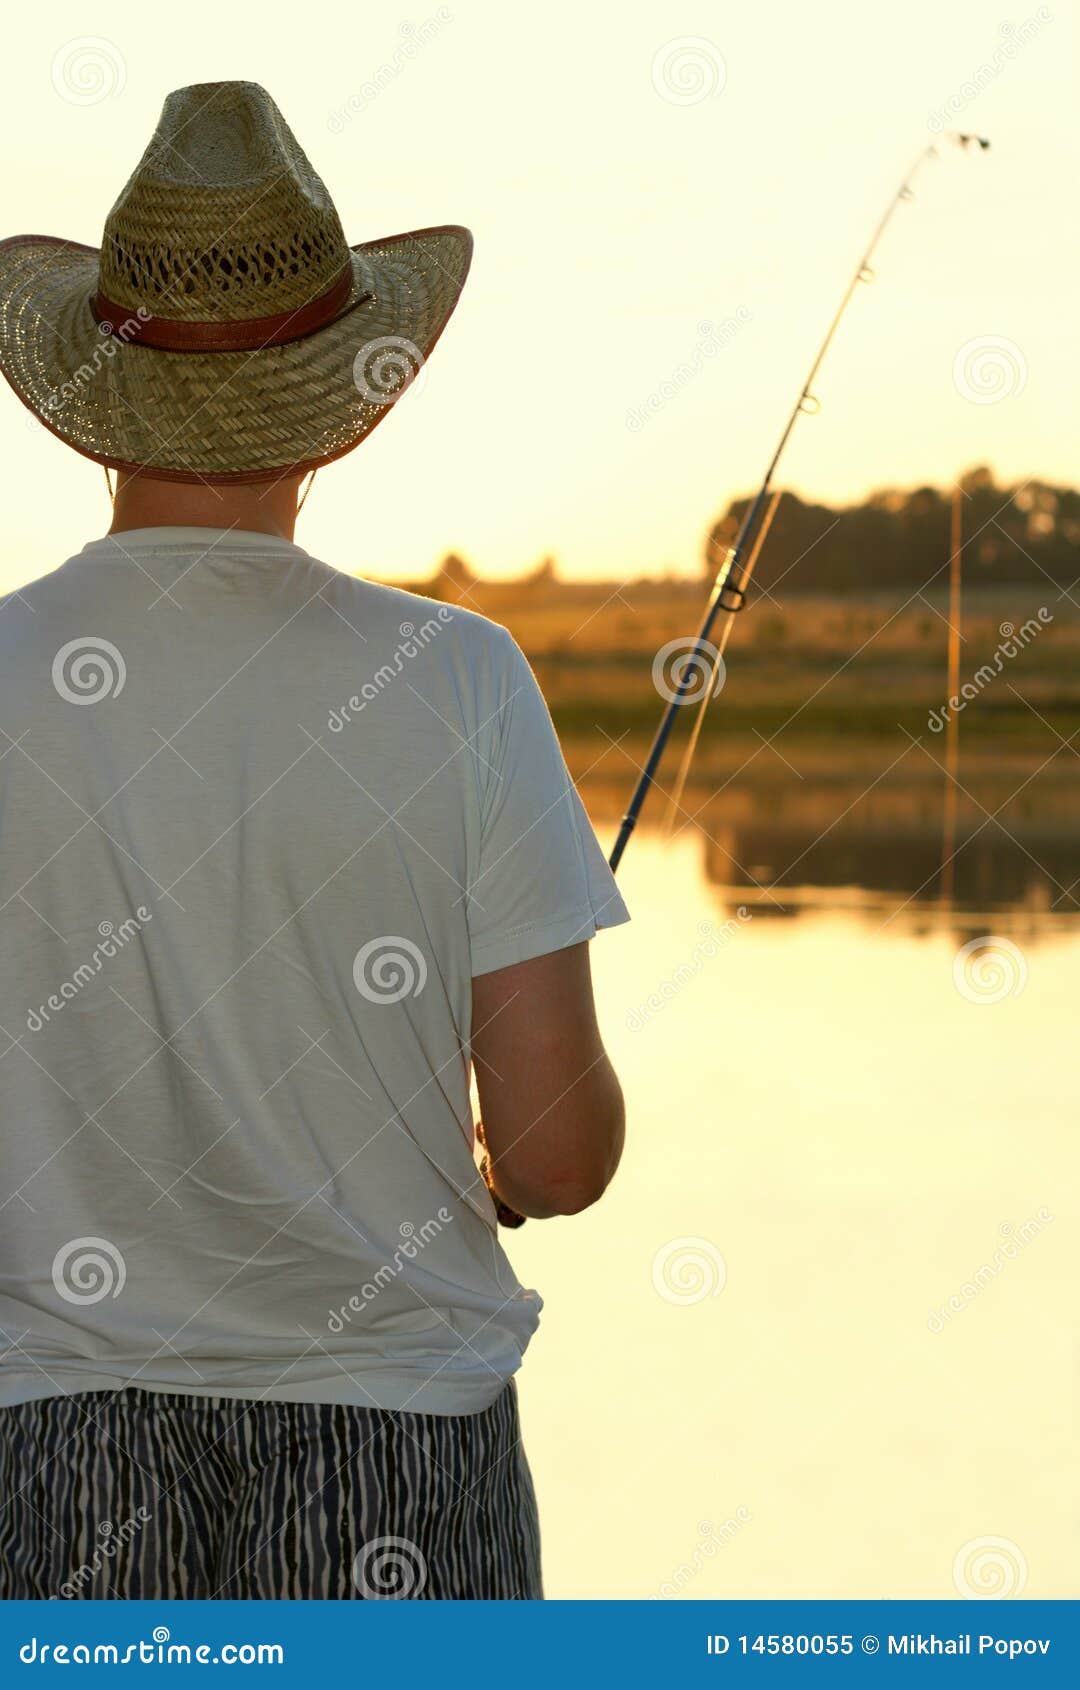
x: 223, y: 416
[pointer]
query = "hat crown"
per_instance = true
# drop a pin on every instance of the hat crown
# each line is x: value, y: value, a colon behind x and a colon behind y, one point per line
x: 223, y: 218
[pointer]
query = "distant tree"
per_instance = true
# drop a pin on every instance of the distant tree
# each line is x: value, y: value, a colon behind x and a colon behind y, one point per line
x: 543, y: 575
x: 897, y: 538
x: 453, y: 581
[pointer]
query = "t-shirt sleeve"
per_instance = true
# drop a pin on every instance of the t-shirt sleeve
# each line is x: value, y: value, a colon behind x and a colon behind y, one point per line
x: 542, y: 881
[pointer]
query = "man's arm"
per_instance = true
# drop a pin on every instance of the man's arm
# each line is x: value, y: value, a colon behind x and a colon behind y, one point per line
x: 551, y: 1104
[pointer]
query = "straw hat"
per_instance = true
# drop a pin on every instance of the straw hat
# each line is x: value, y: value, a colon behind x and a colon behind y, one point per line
x: 225, y: 331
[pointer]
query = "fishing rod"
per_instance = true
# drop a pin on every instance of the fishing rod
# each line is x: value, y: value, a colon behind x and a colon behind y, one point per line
x: 728, y: 593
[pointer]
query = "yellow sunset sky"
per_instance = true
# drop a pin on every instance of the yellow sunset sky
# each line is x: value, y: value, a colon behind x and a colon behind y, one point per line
x: 641, y: 208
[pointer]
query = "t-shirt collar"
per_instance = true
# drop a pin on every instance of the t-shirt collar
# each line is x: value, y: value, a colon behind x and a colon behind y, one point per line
x: 199, y: 540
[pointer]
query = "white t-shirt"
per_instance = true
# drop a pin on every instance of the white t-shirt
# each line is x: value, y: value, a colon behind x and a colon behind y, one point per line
x: 260, y: 824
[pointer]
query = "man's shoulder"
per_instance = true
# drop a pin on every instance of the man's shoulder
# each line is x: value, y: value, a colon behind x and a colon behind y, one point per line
x: 417, y: 617
x: 33, y: 607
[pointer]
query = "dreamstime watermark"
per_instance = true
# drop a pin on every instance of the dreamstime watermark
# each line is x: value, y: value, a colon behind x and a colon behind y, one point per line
x: 688, y: 1270
x: 713, y: 337
x: 413, y: 1241
x: 710, y: 945
x: 687, y: 668
x: 113, y: 1539
x: 989, y: 969
x: 390, y: 1569
x: 389, y: 968
x: 113, y: 337
x: 413, y: 641
x: 384, y: 367
x: 87, y: 70
x: 1015, y: 37
x: 1014, y: 1241
x: 89, y: 669
x: 1013, y: 641
x: 988, y: 369
x: 415, y: 38
x: 155, y: 1650
x: 711, y: 1540
x: 990, y: 1568
x: 87, y: 1270
x: 688, y: 69
x: 113, y: 940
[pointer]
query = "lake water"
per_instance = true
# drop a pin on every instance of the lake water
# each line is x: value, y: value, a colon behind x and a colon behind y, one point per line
x: 819, y: 1339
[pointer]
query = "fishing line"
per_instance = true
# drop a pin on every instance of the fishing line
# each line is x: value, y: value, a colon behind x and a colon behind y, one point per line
x: 728, y: 593
x: 729, y: 590
x: 675, y: 799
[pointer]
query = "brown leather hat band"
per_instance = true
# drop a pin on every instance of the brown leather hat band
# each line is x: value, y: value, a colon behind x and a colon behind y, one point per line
x: 139, y: 327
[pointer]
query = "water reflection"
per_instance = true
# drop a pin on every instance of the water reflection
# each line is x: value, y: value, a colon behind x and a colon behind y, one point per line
x: 840, y: 1126
x: 882, y: 852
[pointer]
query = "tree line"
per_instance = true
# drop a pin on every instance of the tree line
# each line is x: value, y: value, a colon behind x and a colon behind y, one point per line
x: 902, y: 538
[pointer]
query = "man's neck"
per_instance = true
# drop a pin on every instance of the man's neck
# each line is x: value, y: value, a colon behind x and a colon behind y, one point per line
x: 261, y: 507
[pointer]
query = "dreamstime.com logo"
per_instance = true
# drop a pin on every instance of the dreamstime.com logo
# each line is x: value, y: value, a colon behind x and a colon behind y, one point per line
x: 988, y: 369
x: 87, y: 1270
x: 685, y: 669
x: 389, y: 1569
x: 1013, y: 641
x: 688, y: 69
x: 712, y: 1539
x: 1014, y: 1241
x: 389, y: 968
x: 713, y: 339
x: 990, y: 1568
x: 413, y: 641
x: 385, y: 367
x: 88, y: 669
x: 1014, y: 37
x: 87, y: 70
x: 113, y: 1539
x: 157, y: 1650
x: 112, y: 337
x: 688, y: 1270
x: 712, y: 942
x: 414, y: 37
x: 113, y: 938
x: 413, y: 1240
x: 989, y: 969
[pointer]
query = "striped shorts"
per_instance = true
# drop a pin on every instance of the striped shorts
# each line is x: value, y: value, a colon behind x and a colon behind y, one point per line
x: 143, y: 1494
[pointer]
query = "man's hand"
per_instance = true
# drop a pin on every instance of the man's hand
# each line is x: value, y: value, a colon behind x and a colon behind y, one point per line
x: 503, y: 1212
